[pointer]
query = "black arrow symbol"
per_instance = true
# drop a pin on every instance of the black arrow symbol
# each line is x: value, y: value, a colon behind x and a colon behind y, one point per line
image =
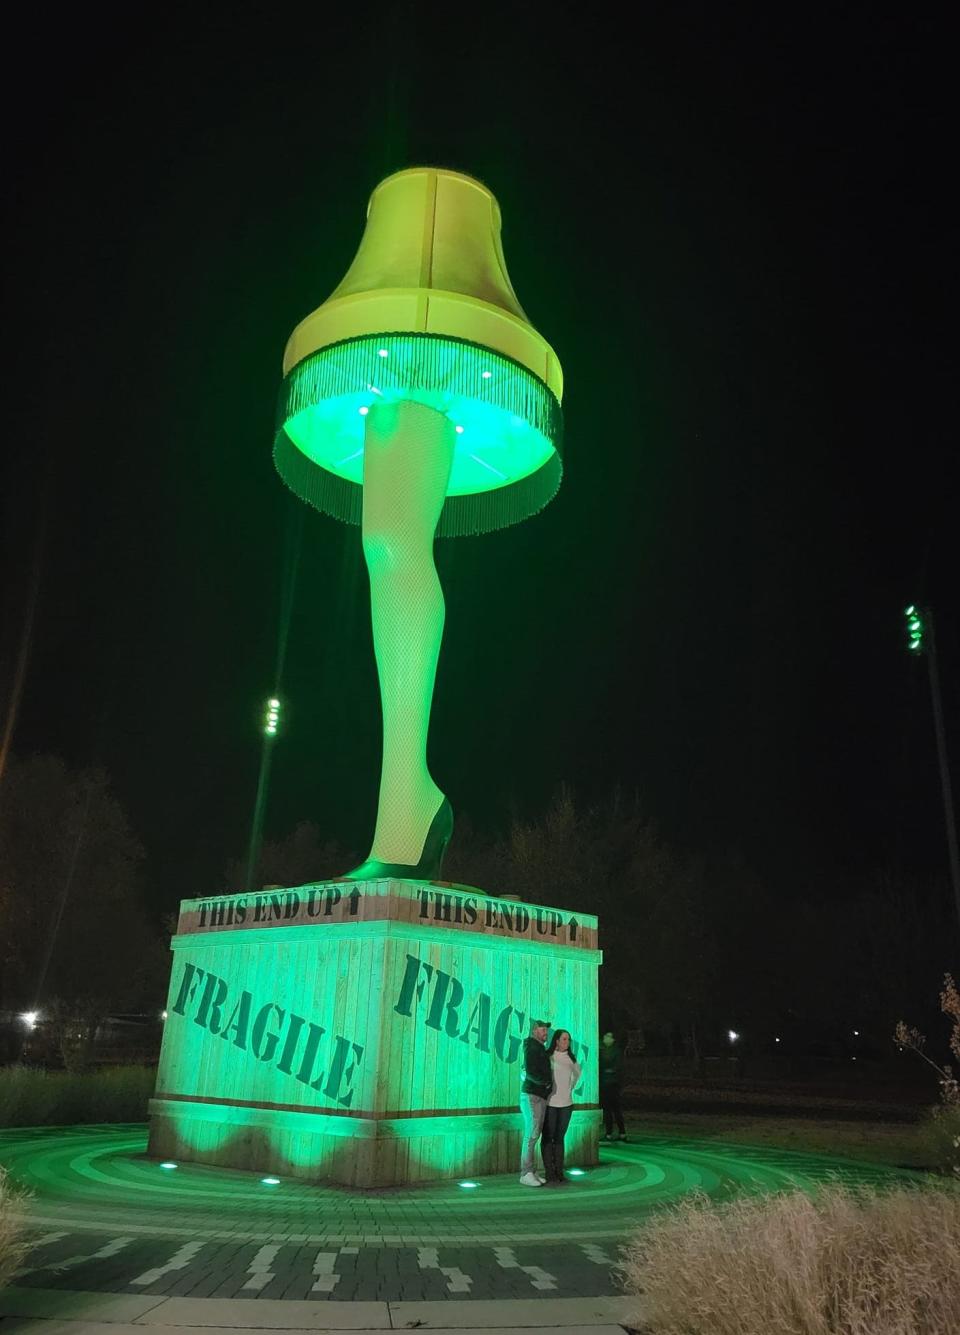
x: 354, y: 898
x: 573, y: 925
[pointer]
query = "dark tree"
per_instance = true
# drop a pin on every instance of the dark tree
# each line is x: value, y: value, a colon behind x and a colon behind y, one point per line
x: 299, y: 858
x: 74, y: 941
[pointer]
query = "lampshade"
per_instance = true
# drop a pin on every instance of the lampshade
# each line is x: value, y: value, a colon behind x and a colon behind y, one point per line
x: 425, y: 313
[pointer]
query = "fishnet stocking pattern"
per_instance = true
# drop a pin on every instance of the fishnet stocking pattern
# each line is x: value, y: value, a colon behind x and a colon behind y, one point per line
x: 408, y: 453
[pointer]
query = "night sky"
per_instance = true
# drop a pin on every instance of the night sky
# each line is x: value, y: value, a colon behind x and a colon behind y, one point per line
x: 731, y: 225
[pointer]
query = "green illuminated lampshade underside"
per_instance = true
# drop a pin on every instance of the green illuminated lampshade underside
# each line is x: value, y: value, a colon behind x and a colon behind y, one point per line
x: 506, y: 462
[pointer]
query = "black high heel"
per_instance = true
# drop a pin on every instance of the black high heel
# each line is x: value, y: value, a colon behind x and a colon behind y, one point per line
x: 431, y: 859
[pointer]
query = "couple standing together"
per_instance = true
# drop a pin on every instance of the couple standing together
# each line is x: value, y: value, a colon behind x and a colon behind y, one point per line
x: 550, y: 1076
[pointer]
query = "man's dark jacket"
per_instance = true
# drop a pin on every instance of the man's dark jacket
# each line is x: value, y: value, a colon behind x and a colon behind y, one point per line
x: 611, y: 1066
x: 537, y: 1072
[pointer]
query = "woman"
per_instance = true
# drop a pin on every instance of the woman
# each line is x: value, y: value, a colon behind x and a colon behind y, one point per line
x: 566, y: 1077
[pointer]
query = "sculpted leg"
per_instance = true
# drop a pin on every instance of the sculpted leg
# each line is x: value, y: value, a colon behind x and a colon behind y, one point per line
x: 408, y: 453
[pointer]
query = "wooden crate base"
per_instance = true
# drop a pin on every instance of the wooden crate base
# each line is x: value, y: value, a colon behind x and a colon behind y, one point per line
x: 359, y: 1153
x: 370, y: 1036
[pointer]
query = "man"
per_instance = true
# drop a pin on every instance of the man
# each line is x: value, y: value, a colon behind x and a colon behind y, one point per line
x: 611, y: 1080
x: 534, y: 1092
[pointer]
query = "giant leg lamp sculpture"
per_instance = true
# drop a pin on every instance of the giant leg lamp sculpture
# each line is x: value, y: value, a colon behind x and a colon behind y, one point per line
x: 419, y: 401
x: 371, y: 1033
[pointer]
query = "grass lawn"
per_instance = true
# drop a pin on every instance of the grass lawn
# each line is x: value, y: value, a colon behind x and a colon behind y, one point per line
x: 896, y: 1143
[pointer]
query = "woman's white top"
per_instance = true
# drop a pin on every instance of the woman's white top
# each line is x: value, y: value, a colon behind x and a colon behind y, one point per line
x: 566, y: 1077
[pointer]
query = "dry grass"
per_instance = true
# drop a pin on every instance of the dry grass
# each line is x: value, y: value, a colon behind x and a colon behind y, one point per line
x: 842, y: 1263
x: 13, y: 1248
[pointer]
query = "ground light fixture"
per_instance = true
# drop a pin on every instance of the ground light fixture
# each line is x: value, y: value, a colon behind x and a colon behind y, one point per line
x: 270, y: 1181
x: 576, y: 1172
x: 468, y: 1186
x: 168, y: 1164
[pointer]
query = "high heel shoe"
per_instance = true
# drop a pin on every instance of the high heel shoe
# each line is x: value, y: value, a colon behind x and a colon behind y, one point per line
x: 431, y: 859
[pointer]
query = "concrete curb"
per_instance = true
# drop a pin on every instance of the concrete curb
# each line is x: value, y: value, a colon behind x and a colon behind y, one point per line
x: 75, y: 1312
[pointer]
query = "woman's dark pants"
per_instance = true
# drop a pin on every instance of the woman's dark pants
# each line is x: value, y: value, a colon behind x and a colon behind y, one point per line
x: 555, y: 1125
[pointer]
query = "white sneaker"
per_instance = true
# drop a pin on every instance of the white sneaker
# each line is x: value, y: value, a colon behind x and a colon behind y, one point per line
x: 530, y: 1180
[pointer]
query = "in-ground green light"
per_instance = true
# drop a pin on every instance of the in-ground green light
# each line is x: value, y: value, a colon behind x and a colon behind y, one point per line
x: 468, y: 1186
x: 270, y: 1181
x: 575, y: 1172
x: 168, y: 1165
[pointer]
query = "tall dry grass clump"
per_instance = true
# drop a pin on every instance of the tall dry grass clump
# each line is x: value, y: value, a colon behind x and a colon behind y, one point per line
x: 13, y: 1248
x: 842, y: 1263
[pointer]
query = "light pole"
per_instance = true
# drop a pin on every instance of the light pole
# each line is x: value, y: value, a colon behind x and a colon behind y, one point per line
x: 922, y: 641
x: 271, y: 725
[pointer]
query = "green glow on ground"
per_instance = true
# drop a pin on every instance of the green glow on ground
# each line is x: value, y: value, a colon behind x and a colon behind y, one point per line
x: 85, y: 1173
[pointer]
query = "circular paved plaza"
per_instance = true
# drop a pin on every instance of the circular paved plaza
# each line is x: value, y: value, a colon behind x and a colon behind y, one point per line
x: 107, y: 1220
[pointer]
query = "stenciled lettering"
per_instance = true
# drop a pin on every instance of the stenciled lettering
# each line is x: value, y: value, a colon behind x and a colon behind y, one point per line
x: 264, y: 1052
x: 325, y: 1062
x: 412, y: 985
x: 506, y: 1045
x: 442, y: 1002
x: 446, y: 1013
x: 477, y: 1031
x: 315, y: 1033
x: 188, y: 986
x: 239, y: 1022
x: 290, y: 1044
x: 341, y: 1073
x: 211, y: 1002
x: 447, y: 907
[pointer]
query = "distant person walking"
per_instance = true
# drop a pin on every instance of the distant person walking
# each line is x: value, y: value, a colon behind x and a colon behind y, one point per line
x: 534, y: 1092
x: 566, y: 1077
x: 611, y: 1086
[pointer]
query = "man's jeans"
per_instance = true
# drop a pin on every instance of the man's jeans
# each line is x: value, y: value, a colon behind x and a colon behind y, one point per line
x: 532, y: 1106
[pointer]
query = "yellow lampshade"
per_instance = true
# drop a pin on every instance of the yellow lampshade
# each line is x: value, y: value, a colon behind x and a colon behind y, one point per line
x: 426, y: 312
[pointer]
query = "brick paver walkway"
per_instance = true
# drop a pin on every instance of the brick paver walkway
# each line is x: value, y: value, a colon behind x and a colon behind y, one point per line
x: 107, y: 1219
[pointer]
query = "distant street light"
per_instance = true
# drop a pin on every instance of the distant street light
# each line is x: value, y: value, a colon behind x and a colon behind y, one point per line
x: 915, y: 629
x: 922, y: 641
x: 271, y: 726
x: 30, y: 1018
x: 732, y: 1035
x: 271, y: 717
